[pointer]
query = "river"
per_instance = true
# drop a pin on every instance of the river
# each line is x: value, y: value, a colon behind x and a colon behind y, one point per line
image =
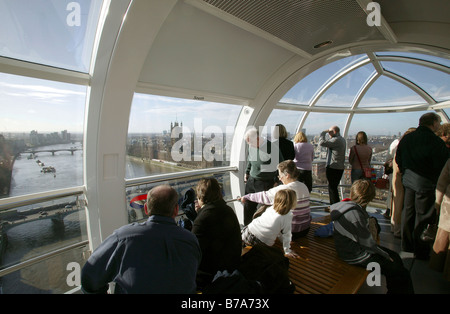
x: 39, y: 236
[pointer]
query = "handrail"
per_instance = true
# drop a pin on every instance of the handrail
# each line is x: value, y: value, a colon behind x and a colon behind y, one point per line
x: 40, y: 258
x: 29, y: 199
x: 177, y: 175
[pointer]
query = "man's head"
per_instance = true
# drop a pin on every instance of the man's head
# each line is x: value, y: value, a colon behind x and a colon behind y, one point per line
x: 334, y: 131
x: 362, y: 192
x: 252, y: 137
x: 431, y: 120
x: 162, y: 200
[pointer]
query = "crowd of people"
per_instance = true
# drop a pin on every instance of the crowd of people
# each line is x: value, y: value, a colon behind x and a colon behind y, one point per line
x: 158, y: 256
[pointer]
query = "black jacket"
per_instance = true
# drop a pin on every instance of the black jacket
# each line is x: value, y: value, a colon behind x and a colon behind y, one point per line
x: 423, y: 152
x: 219, y: 234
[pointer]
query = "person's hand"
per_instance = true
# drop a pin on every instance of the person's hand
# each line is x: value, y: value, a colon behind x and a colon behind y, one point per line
x: 241, y: 199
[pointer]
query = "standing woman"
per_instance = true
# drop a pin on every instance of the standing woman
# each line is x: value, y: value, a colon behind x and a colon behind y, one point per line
x: 286, y: 146
x: 360, y: 156
x: 304, y: 156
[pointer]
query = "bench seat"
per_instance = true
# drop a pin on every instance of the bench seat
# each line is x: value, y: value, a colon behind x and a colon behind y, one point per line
x: 319, y: 270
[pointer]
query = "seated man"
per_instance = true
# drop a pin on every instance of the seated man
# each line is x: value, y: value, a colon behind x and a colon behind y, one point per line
x: 155, y: 256
x: 354, y: 241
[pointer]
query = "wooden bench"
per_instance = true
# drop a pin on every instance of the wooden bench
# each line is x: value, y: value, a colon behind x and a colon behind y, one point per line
x: 318, y: 269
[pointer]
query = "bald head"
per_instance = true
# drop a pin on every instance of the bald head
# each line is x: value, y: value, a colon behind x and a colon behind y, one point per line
x: 162, y: 200
x: 334, y: 130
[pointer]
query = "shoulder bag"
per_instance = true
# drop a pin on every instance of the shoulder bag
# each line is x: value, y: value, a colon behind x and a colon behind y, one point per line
x: 369, y: 173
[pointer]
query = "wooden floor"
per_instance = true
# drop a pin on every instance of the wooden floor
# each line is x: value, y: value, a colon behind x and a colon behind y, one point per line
x: 319, y: 270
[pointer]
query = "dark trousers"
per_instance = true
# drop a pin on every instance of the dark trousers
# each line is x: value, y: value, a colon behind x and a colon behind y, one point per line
x: 252, y: 186
x: 334, y: 177
x: 418, y: 211
x: 305, y: 176
x: 398, y: 279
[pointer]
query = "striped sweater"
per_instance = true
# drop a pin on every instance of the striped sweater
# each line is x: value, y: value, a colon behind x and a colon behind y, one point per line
x: 352, y: 238
x: 301, y: 214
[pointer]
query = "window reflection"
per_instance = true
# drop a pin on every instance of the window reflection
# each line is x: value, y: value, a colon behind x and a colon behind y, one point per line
x: 169, y: 134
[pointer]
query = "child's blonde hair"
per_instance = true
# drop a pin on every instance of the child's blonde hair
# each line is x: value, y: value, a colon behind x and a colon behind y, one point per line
x: 284, y: 201
x: 362, y: 192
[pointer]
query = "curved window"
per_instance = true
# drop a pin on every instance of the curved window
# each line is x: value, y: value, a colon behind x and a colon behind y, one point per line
x: 343, y: 92
x: 388, y: 92
x: 289, y: 118
x: 318, y: 121
x: 304, y: 91
x: 54, y: 32
x: 435, y: 83
x: 394, y: 124
x: 169, y: 134
x: 363, y: 88
x: 420, y: 56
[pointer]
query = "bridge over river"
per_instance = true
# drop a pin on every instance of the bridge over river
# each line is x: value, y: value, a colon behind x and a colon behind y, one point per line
x: 53, y: 151
x: 56, y: 215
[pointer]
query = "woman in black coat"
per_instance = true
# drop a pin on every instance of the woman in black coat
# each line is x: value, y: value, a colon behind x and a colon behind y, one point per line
x: 218, y: 232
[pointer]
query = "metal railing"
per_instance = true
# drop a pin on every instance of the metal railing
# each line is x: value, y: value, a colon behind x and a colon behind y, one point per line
x: 177, y: 175
x: 40, y: 258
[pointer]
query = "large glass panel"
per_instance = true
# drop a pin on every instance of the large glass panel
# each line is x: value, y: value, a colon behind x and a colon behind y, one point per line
x: 289, y: 118
x: 344, y: 91
x: 435, y: 83
x: 316, y: 122
x: 58, y: 33
x: 41, y: 133
x: 425, y: 57
x: 384, y: 125
x: 34, y: 230
x: 304, y: 90
x: 169, y: 134
x: 388, y: 92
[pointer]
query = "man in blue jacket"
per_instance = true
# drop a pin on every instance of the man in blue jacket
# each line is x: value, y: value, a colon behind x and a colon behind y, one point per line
x: 155, y: 256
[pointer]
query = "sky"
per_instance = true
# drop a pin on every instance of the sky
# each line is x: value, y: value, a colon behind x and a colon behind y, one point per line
x: 39, y: 31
